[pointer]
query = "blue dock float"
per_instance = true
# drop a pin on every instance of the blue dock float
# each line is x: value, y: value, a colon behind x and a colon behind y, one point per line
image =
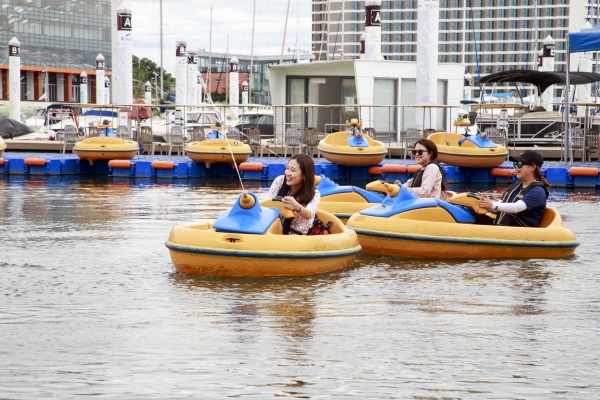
x: 558, y: 174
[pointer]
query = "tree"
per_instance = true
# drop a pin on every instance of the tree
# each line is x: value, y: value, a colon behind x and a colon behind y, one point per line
x: 143, y: 72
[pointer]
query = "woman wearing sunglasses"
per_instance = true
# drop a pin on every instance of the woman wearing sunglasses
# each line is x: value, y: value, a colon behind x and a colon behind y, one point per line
x: 524, y: 202
x: 430, y: 180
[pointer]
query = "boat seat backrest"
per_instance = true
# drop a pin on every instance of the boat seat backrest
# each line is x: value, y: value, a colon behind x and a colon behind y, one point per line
x: 551, y: 217
x: 336, y: 226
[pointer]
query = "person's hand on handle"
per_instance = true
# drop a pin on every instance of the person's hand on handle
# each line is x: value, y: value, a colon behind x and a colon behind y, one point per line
x: 291, y: 203
x: 484, y: 201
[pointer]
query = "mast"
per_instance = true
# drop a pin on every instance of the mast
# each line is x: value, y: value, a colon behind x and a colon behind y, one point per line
x: 287, y: 13
x: 162, y: 93
x: 251, y: 55
x: 209, y: 87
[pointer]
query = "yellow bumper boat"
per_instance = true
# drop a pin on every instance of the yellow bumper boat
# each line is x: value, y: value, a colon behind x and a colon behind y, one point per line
x: 352, y: 148
x: 476, y: 151
x: 217, y: 148
x: 105, y: 148
x: 2, y: 146
x: 246, y: 240
x: 211, y: 151
x: 343, y: 201
x: 408, y: 226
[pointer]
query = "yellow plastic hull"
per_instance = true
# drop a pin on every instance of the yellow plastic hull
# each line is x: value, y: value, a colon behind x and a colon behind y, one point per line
x: 413, y: 234
x: 218, y: 151
x: 2, y: 146
x: 106, y: 148
x: 468, y: 155
x: 196, y: 248
x: 334, y: 148
x: 343, y: 205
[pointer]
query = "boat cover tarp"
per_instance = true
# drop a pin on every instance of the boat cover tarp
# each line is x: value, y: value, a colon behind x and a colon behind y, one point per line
x: 9, y: 128
x: 100, y: 113
x: 543, y: 80
x: 585, y: 41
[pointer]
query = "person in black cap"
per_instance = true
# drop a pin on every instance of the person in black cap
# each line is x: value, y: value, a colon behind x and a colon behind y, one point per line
x: 524, y: 202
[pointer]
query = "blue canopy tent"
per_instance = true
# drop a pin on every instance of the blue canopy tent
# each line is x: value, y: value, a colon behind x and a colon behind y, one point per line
x: 577, y: 42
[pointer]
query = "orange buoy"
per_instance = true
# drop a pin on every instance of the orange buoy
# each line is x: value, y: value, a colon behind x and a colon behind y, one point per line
x: 413, y: 168
x: 246, y: 166
x: 583, y: 171
x: 163, y: 164
x: 394, y: 168
x: 119, y: 163
x: 38, y: 162
x: 375, y: 170
x: 503, y: 172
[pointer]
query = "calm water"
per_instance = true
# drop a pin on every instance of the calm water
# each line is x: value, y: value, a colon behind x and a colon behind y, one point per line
x: 91, y: 305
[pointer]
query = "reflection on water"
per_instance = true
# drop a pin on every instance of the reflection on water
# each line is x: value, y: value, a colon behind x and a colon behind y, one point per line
x: 92, y: 305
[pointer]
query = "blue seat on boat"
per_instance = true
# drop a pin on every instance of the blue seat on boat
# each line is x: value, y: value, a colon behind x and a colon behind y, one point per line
x: 326, y: 184
x: 477, y: 140
x: 371, y: 197
x: 458, y: 213
x: 255, y: 220
x: 405, y: 200
x: 328, y: 187
x: 353, y: 141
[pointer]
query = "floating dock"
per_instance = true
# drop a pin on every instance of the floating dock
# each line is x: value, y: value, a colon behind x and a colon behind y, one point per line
x: 558, y: 174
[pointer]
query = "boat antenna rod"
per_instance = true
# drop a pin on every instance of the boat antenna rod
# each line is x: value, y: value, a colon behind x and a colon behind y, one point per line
x: 476, y: 53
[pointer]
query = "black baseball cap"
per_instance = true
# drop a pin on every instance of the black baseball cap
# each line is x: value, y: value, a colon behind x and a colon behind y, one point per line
x: 529, y: 157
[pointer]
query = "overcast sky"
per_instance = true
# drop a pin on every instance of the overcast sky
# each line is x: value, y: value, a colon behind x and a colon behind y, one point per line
x: 190, y: 21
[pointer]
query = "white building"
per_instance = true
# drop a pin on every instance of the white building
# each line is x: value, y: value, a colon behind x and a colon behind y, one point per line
x: 362, y: 82
x: 504, y: 34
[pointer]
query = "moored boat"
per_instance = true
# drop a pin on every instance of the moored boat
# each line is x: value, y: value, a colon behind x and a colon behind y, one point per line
x: 247, y: 240
x: 476, y: 151
x: 343, y: 201
x: 352, y: 148
x: 217, y: 148
x: 105, y: 148
x: 408, y: 226
x: 211, y: 151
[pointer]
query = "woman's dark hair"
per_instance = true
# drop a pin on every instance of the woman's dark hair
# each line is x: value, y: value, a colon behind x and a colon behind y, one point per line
x: 432, y: 148
x: 307, y: 191
x: 537, y: 172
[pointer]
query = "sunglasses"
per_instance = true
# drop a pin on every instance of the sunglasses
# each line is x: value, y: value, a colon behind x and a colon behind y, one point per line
x: 520, y: 164
x: 419, y: 152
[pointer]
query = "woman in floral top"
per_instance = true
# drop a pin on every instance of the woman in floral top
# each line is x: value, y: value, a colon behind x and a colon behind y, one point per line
x: 297, y: 188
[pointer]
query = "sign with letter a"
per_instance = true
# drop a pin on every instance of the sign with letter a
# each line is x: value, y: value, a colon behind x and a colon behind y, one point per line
x: 124, y: 22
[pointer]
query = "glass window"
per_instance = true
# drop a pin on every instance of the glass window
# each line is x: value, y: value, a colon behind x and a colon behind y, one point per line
x: 408, y: 96
x: 384, y: 93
